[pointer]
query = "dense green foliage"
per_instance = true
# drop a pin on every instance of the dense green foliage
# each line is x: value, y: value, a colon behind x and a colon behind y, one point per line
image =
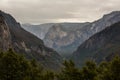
x: 91, y: 71
x: 15, y: 67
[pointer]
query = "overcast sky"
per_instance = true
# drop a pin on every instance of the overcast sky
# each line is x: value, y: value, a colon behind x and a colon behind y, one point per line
x: 45, y: 11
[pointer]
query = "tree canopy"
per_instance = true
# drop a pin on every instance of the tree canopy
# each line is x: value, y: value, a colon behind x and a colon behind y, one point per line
x: 16, y: 67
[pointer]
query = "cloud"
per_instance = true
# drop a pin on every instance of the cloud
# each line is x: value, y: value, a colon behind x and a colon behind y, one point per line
x: 43, y: 11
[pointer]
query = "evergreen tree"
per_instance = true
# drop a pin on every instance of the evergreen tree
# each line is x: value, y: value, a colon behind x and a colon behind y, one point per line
x: 112, y: 70
x: 13, y: 66
x: 69, y: 72
x: 48, y: 75
x: 89, y: 71
x: 16, y: 67
x: 36, y: 71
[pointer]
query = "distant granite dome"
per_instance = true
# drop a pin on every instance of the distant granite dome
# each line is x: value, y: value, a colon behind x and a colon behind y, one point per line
x: 12, y: 35
x: 63, y: 37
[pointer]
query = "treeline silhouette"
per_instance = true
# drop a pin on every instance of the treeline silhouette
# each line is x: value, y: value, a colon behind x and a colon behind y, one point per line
x: 16, y: 67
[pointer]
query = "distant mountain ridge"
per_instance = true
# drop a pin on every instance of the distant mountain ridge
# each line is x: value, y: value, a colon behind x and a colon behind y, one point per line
x: 66, y: 37
x: 101, y: 46
x: 66, y: 41
x: 38, y: 30
x: 44, y: 30
x: 12, y: 35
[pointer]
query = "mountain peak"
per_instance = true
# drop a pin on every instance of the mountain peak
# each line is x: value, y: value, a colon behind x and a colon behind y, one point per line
x: 115, y: 12
x: 112, y: 14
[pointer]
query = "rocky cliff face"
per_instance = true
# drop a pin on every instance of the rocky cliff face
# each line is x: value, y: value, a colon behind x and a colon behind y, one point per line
x: 65, y: 38
x: 21, y: 41
x: 99, y: 47
x: 5, y: 37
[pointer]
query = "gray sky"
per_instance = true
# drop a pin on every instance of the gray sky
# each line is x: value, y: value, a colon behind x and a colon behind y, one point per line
x: 45, y: 11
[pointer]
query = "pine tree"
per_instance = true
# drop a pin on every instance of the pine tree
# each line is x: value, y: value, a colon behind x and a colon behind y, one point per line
x: 69, y: 72
x: 12, y: 66
x: 89, y: 71
x: 48, y: 75
x: 36, y: 71
x: 16, y: 67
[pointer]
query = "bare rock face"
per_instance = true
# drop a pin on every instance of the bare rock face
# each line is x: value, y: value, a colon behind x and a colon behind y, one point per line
x: 12, y: 35
x: 5, y: 37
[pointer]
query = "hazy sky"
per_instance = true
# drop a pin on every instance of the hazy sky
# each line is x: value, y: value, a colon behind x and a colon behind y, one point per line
x: 45, y: 11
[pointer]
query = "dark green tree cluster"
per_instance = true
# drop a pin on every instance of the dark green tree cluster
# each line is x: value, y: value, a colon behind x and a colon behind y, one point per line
x: 15, y: 67
x: 91, y: 71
